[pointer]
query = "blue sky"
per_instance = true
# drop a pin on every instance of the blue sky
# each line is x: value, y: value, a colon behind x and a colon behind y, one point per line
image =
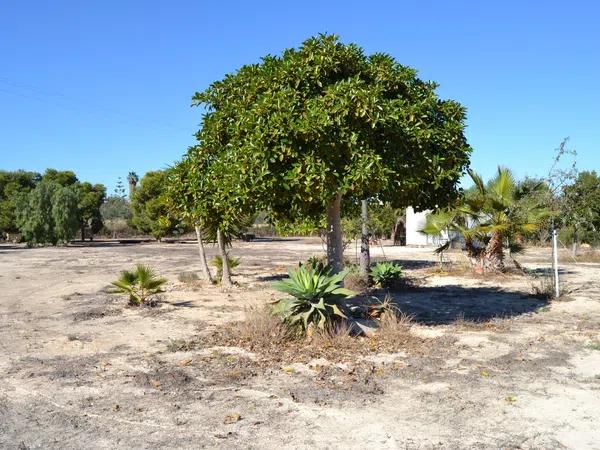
x: 104, y: 87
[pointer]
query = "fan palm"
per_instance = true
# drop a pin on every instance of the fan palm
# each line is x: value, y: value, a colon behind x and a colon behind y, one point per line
x: 502, y: 215
x: 488, y: 217
x: 139, y: 284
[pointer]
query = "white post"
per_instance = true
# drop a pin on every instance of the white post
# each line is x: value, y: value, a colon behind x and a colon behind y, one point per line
x: 555, y: 263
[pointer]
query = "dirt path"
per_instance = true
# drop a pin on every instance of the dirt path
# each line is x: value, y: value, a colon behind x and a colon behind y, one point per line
x: 78, y: 369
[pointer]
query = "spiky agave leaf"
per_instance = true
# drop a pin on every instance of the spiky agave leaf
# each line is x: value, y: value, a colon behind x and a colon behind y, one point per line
x: 316, y: 296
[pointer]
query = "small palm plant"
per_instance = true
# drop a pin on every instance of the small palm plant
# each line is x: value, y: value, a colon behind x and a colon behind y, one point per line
x: 217, y: 262
x: 139, y: 284
x: 317, y: 296
x: 385, y: 273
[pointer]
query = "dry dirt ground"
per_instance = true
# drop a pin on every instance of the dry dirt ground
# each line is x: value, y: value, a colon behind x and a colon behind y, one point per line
x: 497, y: 368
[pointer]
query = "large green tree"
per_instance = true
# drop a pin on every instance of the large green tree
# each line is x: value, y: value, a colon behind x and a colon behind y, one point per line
x: 149, y: 205
x: 49, y: 214
x: 14, y: 187
x: 297, y: 133
x: 91, y: 197
x: 200, y: 192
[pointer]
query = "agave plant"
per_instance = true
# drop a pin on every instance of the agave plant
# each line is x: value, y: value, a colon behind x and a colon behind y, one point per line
x: 385, y: 273
x: 317, y: 296
x: 139, y: 284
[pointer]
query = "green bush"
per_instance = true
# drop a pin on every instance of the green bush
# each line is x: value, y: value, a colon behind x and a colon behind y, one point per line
x: 317, y: 295
x: 385, y: 274
x: 139, y: 284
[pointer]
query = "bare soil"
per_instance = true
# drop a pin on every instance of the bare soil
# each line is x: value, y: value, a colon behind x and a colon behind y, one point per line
x: 487, y: 364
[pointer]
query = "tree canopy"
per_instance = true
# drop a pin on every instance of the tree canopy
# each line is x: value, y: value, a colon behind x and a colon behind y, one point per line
x: 295, y: 133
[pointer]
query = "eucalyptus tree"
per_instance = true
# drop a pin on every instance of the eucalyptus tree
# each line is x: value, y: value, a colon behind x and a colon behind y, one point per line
x: 299, y: 132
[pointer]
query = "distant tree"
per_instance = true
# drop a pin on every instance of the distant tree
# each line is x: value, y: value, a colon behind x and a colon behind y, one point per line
x: 49, y: 214
x: 14, y: 187
x: 149, y: 206
x: 35, y: 220
x: 91, y: 198
x: 132, y: 180
x: 115, y: 213
x: 65, y: 214
x: 61, y: 177
x: 296, y: 134
x: 580, y: 209
x: 120, y: 188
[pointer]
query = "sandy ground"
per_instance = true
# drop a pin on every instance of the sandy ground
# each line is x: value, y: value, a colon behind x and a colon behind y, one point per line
x: 79, y: 369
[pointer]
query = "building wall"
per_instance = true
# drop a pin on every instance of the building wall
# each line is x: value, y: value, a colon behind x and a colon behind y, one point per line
x: 416, y: 221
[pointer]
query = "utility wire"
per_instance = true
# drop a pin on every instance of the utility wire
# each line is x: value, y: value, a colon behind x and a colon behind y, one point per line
x: 58, y: 99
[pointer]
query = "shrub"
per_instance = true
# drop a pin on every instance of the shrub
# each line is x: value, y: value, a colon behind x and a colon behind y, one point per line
x: 385, y: 273
x: 139, y: 284
x: 316, y: 297
x: 188, y: 277
x: 262, y: 329
x: 217, y: 262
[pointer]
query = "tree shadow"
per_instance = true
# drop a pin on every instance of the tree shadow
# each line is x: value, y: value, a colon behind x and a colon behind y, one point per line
x: 275, y: 277
x: 412, y: 263
x: 441, y: 305
x: 115, y: 243
x: 184, y: 304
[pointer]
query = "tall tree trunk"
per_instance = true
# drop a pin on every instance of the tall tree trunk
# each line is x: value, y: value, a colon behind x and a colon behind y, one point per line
x: 335, y: 246
x: 494, y: 253
x: 83, y: 231
x: 226, y: 273
x: 575, y: 242
x: 365, y: 257
x: 201, y: 252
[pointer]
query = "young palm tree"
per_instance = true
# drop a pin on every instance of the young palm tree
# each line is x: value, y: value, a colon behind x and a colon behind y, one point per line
x: 139, y: 284
x: 502, y: 215
x: 488, y: 218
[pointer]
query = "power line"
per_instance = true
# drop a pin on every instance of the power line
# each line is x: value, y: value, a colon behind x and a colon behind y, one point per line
x: 64, y: 101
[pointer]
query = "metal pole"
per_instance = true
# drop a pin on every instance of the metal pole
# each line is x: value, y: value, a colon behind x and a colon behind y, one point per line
x: 555, y: 263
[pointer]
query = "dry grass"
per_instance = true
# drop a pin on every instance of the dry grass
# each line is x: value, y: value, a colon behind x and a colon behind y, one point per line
x: 261, y: 329
x: 394, y: 329
x: 275, y: 343
x: 543, y: 287
x: 498, y: 324
x: 590, y: 256
x: 188, y: 277
x: 356, y: 283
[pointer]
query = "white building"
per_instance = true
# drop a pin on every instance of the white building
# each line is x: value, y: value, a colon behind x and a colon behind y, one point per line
x: 415, y: 221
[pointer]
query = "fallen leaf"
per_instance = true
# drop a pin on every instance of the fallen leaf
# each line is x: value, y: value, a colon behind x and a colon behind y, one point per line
x: 288, y: 369
x: 185, y: 362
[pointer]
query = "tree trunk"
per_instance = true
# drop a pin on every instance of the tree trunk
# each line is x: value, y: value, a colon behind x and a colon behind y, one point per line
x: 203, y: 262
x: 494, y: 253
x: 575, y: 242
x: 365, y: 257
x: 226, y: 273
x: 82, y: 231
x: 335, y: 246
